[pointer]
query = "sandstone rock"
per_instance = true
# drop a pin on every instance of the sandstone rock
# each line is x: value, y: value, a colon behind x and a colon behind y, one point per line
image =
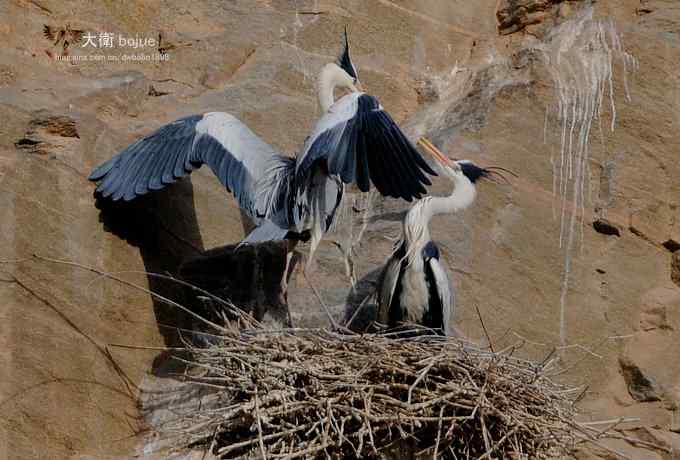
x: 675, y: 424
x: 675, y: 268
x: 647, y: 7
x: 641, y: 387
x: 515, y: 15
x: 217, y: 76
x: 499, y: 108
x: 647, y: 225
x: 667, y: 439
x: 666, y: 442
x: 625, y: 449
x: 427, y: 91
x: 671, y: 244
x: 654, y: 317
x: 654, y: 308
x: 607, y: 185
x: 48, y: 133
x: 156, y: 93
x: 7, y: 75
x: 56, y: 125
x: 606, y: 227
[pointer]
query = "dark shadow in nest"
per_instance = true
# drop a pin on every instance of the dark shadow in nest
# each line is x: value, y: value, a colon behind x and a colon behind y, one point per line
x: 361, y: 309
x: 163, y: 225
x: 249, y: 277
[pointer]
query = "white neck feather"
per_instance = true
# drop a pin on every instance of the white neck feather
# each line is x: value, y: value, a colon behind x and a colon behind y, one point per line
x: 462, y: 196
x: 416, y: 228
x: 329, y: 78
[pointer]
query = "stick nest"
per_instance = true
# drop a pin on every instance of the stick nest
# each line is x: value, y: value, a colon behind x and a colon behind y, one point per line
x: 315, y: 393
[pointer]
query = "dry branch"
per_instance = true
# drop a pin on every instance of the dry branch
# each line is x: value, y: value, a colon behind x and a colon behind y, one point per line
x: 318, y: 393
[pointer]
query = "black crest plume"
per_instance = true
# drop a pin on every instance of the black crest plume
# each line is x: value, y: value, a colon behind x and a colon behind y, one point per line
x: 344, y: 60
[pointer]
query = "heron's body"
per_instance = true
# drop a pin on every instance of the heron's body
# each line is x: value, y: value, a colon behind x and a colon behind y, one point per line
x: 422, y: 291
x: 414, y: 286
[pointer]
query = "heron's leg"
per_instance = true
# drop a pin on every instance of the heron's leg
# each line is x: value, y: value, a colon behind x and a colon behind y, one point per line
x: 283, y: 294
x: 298, y: 266
x: 290, y: 264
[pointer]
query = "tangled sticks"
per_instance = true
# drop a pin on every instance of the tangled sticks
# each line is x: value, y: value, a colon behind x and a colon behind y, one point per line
x: 314, y: 393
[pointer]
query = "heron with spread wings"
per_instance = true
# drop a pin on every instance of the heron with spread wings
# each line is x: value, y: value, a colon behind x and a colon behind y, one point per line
x: 354, y: 142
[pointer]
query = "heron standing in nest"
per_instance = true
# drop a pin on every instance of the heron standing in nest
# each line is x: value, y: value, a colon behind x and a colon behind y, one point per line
x: 414, y: 286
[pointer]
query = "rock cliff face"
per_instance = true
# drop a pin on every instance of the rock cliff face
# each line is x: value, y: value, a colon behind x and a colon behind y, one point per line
x: 579, y: 253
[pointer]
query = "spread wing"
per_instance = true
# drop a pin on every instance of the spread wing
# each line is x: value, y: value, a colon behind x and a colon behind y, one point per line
x: 361, y: 143
x: 239, y: 159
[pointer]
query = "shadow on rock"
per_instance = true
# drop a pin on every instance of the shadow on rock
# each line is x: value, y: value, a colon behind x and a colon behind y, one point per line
x: 163, y: 225
x: 249, y: 277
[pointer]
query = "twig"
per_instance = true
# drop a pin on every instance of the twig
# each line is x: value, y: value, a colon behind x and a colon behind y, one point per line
x: 614, y: 420
x: 103, y: 349
x: 133, y: 285
x: 252, y: 322
x: 334, y: 324
x: 439, y: 434
x: 421, y: 376
x: 486, y: 333
x: 500, y: 441
x: 14, y: 261
x: 140, y: 347
x: 296, y: 393
x: 259, y: 426
x: 359, y: 308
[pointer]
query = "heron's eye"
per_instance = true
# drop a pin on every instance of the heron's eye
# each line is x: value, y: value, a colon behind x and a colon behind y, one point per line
x: 354, y: 80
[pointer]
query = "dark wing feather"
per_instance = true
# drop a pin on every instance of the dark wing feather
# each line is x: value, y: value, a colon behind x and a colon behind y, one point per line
x: 389, y: 288
x: 361, y: 143
x: 443, y: 296
x: 344, y: 60
x: 235, y: 154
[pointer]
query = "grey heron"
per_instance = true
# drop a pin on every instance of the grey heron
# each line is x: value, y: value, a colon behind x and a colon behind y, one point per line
x: 354, y: 141
x: 414, y: 286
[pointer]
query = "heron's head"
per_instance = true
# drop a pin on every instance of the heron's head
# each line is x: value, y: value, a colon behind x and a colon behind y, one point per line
x: 472, y: 171
x: 455, y: 168
x: 349, y: 77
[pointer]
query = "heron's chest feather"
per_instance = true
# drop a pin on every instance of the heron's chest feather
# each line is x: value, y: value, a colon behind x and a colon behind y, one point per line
x: 414, y: 294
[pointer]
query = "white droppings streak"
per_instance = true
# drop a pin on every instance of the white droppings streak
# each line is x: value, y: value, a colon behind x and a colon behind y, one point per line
x: 579, y: 55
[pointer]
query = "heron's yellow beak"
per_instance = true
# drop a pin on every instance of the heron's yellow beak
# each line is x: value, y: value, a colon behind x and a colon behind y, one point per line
x: 435, y: 152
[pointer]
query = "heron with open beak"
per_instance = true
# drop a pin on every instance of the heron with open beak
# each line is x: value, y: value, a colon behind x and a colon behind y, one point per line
x: 414, y: 286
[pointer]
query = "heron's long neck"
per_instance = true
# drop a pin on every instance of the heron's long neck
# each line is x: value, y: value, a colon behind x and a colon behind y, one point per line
x: 416, y: 231
x: 461, y: 197
x: 327, y: 83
